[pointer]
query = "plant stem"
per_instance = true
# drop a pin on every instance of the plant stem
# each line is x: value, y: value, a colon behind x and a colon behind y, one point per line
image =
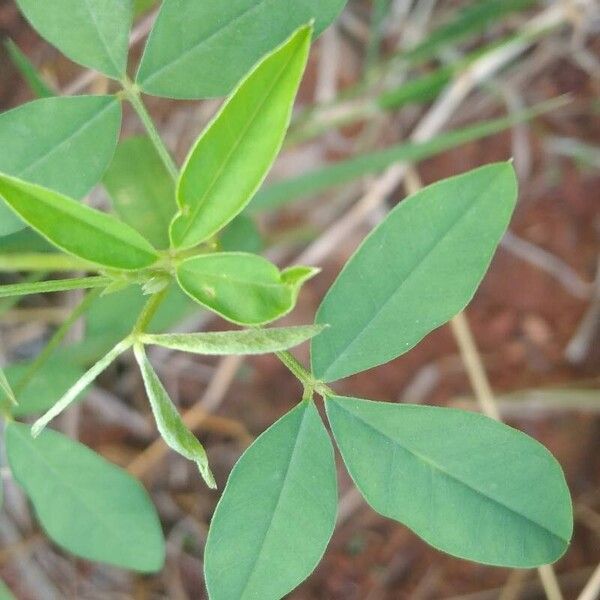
x: 56, y: 339
x: 35, y: 261
x: 132, y: 93
x: 148, y: 312
x: 295, y: 367
x: 58, y: 285
x: 309, y: 383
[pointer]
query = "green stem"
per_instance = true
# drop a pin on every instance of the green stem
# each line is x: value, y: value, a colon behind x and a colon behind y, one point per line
x: 58, y: 285
x: 56, y: 339
x: 132, y: 93
x: 309, y: 383
x: 148, y: 312
x: 34, y: 261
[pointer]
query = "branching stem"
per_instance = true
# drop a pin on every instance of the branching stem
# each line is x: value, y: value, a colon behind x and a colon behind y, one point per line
x: 132, y: 93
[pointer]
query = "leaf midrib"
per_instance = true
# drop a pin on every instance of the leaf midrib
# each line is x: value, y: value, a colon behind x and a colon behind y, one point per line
x: 293, y: 454
x: 100, y: 36
x: 414, y: 269
x: 432, y: 464
x: 85, y: 224
x: 57, y: 147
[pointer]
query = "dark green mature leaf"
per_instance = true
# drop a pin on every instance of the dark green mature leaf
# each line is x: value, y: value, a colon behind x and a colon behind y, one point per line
x: 93, y: 33
x: 61, y: 143
x: 170, y: 425
x: 468, y: 485
x: 243, y: 288
x: 202, y: 49
x: 247, y: 341
x: 142, y: 190
x: 76, y: 228
x: 241, y: 235
x: 85, y: 504
x: 51, y: 381
x: 277, y: 513
x: 234, y: 153
x: 415, y: 271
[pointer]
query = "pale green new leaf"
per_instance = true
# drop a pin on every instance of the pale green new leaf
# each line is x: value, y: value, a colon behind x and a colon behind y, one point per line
x: 170, y: 425
x: 234, y: 153
x: 247, y: 341
x: 468, y: 485
x: 93, y: 33
x: 79, y: 386
x: 202, y: 49
x: 243, y: 288
x: 415, y: 271
x: 85, y: 504
x: 141, y: 189
x: 277, y: 513
x: 61, y: 143
x: 76, y: 228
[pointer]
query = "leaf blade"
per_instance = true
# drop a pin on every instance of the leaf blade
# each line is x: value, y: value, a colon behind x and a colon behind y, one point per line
x: 245, y: 289
x: 231, y: 158
x: 74, y: 137
x: 247, y: 341
x: 93, y: 34
x: 194, y: 49
x: 170, y: 425
x: 289, y: 474
x: 86, y: 505
x: 76, y: 228
x: 142, y: 190
x: 468, y: 485
x: 375, y: 318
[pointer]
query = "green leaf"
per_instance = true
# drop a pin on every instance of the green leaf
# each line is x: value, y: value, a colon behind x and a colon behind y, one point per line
x: 415, y: 271
x: 30, y: 74
x: 142, y: 190
x: 241, y: 235
x: 234, y: 153
x: 61, y: 143
x: 79, y: 386
x: 93, y: 33
x: 202, y: 49
x: 243, y: 288
x: 284, y: 192
x: 277, y: 513
x: 51, y: 381
x: 76, y: 228
x: 468, y: 485
x: 6, y: 389
x: 170, y: 425
x: 247, y: 341
x: 85, y: 504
